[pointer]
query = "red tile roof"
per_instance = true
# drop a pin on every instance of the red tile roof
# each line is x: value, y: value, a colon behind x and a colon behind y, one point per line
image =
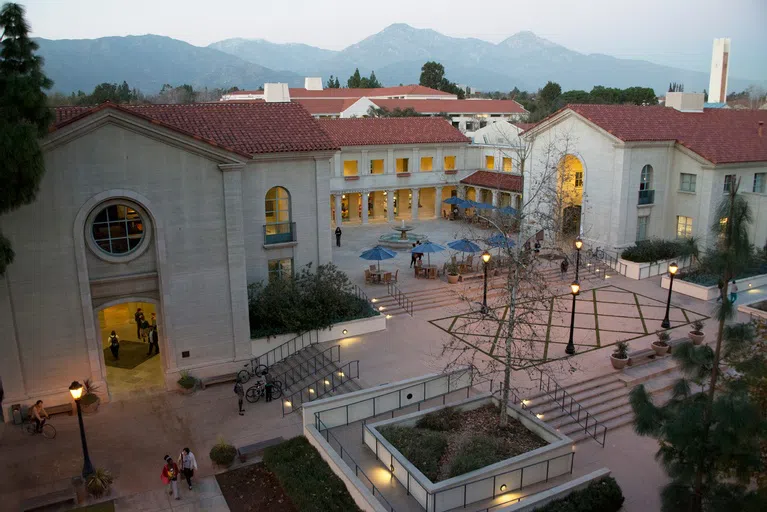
x: 718, y: 135
x: 323, y: 106
x: 402, y: 90
x: 493, y: 179
x: 391, y: 130
x: 244, y: 128
x: 454, y: 106
x: 524, y: 126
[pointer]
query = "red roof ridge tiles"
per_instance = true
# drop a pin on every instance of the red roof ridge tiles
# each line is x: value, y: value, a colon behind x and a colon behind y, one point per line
x: 373, y: 131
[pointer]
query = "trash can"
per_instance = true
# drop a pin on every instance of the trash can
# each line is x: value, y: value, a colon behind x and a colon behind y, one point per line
x: 18, y: 419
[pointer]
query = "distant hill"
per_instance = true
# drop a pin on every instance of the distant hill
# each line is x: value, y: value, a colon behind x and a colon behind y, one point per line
x: 396, y: 54
x: 147, y: 63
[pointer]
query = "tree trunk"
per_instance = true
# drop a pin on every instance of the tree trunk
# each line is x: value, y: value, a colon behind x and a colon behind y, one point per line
x: 504, y: 419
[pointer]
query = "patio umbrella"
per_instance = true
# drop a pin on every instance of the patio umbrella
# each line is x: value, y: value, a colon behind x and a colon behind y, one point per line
x: 500, y: 240
x: 428, y: 248
x: 508, y: 210
x: 453, y: 200
x: 483, y: 206
x: 378, y: 253
x: 464, y: 245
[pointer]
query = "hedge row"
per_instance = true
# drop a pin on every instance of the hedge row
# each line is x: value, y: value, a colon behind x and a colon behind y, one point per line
x: 649, y: 251
x: 600, y: 496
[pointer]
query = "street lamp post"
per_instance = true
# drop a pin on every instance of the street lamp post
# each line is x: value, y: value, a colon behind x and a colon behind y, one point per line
x: 672, y: 270
x: 76, y: 390
x: 575, y: 289
x: 578, y: 247
x: 486, y: 260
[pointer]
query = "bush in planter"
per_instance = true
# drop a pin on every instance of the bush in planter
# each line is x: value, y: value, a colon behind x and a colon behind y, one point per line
x: 479, y: 451
x: 600, y: 496
x: 443, y: 420
x: 697, y: 327
x: 648, y: 251
x: 223, y: 453
x: 89, y: 393
x: 621, y: 350
x: 99, y: 482
x: 423, y: 448
x: 452, y: 268
x: 663, y: 338
x: 186, y: 381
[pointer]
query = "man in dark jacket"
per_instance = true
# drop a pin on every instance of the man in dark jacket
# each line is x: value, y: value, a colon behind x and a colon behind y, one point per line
x: 338, y: 236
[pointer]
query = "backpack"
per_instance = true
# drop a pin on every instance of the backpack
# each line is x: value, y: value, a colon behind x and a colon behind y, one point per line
x: 113, y: 341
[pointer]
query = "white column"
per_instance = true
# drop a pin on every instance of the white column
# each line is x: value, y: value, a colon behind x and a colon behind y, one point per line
x: 365, y: 163
x: 339, y: 221
x: 390, y: 205
x: 438, y: 202
x: 337, y: 167
x: 439, y: 165
x: 414, y: 204
x: 496, y: 198
x: 390, y: 162
x: 416, y: 167
x: 364, y: 196
x: 478, y: 194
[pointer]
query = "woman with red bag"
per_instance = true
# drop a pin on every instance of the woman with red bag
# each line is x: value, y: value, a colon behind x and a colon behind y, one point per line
x: 169, y: 476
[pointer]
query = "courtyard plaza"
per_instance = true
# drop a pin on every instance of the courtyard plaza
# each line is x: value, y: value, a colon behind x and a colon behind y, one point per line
x: 130, y: 435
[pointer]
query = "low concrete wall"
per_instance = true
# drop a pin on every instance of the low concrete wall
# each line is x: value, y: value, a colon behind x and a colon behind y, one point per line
x: 540, y: 499
x: 746, y: 308
x: 634, y: 270
x: 479, y: 484
x: 711, y: 292
x: 357, y: 489
x: 260, y: 346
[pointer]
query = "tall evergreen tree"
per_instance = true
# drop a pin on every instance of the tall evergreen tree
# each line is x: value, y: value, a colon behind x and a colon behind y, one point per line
x: 373, y: 82
x: 354, y: 81
x: 337, y: 84
x: 24, y: 117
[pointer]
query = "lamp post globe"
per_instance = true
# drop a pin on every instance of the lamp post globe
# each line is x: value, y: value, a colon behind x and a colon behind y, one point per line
x: 76, y: 390
x: 578, y: 246
x: 673, y: 268
x: 575, y: 289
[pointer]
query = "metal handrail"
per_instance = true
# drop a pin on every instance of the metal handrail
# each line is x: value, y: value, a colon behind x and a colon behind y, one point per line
x: 296, y: 373
x: 281, y: 232
x: 573, y: 409
x: 357, y: 468
x: 328, y: 383
x: 271, y: 357
x: 359, y: 293
x: 400, y: 297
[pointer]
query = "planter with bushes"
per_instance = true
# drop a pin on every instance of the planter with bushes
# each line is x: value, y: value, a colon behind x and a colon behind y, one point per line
x: 90, y: 401
x: 222, y: 454
x: 186, y: 383
x: 99, y: 482
x: 661, y: 346
x: 600, y: 496
x: 620, y: 357
x: 451, y: 269
x: 696, y: 335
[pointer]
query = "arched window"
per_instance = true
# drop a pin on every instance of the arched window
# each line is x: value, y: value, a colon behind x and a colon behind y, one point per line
x: 278, y: 228
x: 646, y: 192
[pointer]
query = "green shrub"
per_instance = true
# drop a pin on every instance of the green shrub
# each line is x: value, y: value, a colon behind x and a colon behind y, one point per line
x: 98, y: 482
x: 223, y: 453
x: 186, y: 381
x: 423, y: 448
x: 479, y: 451
x: 306, y: 478
x: 441, y: 421
x: 600, y: 496
x: 649, y: 251
x: 311, y: 300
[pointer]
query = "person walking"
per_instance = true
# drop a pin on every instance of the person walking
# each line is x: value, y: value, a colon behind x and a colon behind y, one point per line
x: 733, y: 292
x: 188, y: 464
x: 720, y: 285
x: 153, y: 342
x: 413, y: 257
x: 537, y: 247
x: 240, y: 395
x: 114, y: 345
x: 268, y: 387
x: 169, y: 476
x: 144, y: 329
x: 338, y: 236
x: 138, y: 318
x: 153, y: 321
x: 563, y: 267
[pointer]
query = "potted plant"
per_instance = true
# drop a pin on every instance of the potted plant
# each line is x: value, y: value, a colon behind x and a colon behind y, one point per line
x: 661, y: 345
x: 186, y: 383
x: 99, y: 482
x: 89, y: 402
x: 222, y: 454
x: 696, y: 335
x: 451, y: 269
x: 620, y: 357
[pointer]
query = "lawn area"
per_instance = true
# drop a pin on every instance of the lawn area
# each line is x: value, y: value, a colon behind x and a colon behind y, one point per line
x: 254, y: 488
x: 450, y: 442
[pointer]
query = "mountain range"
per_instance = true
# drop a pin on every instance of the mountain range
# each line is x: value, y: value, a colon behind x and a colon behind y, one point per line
x: 396, y: 54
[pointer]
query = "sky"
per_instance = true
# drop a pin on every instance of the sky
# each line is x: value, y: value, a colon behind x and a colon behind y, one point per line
x: 678, y: 33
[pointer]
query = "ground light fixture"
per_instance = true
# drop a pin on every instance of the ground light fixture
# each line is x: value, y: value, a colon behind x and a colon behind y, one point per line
x: 76, y: 390
x: 486, y: 260
x: 345, y: 331
x: 503, y: 488
x: 673, y: 268
x: 575, y: 289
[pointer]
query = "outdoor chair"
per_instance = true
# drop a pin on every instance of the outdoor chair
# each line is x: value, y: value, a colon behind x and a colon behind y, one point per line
x: 372, y: 268
x: 368, y: 276
x: 387, y: 277
x: 394, y: 278
x: 470, y: 260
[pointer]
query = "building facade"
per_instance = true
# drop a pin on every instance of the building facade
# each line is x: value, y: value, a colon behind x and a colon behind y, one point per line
x: 177, y: 207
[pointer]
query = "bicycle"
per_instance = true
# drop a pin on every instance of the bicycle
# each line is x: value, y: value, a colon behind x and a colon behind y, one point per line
x: 255, y: 392
x: 259, y: 370
x: 48, y: 431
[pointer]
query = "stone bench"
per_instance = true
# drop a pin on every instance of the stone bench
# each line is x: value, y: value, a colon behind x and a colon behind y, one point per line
x: 52, y: 498
x: 217, y: 379
x: 648, y: 354
x: 60, y: 409
x: 251, y: 450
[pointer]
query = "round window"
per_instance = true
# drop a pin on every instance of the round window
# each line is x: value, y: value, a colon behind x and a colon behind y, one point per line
x: 118, y: 229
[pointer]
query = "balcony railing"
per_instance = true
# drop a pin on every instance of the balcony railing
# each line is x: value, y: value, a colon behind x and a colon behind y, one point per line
x: 646, y: 197
x: 280, y: 233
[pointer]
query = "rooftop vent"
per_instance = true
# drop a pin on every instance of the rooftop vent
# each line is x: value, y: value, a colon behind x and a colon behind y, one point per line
x: 685, y: 101
x: 276, y: 93
x: 313, y: 83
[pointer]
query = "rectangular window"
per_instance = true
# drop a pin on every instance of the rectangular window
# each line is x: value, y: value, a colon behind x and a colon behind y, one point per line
x: 450, y: 163
x: 350, y: 168
x: 729, y: 182
x: 376, y: 167
x: 642, y: 225
x: 489, y: 162
x: 687, y: 182
x: 683, y: 227
x: 506, y: 164
x: 402, y: 165
x: 759, y: 179
x: 427, y: 163
x: 281, y: 269
x: 578, y: 179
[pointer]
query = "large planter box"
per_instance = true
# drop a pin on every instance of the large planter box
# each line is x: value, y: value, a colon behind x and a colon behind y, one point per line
x: 710, y: 292
x: 359, y: 327
x: 753, y: 312
x: 549, y: 461
x: 634, y: 270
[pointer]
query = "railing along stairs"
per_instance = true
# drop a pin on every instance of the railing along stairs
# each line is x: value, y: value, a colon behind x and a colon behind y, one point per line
x: 317, y: 363
x: 400, y: 297
x: 287, y: 349
x: 322, y: 386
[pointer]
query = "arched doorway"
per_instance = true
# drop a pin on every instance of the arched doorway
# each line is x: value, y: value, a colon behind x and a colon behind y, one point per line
x: 570, y: 180
x: 136, y: 370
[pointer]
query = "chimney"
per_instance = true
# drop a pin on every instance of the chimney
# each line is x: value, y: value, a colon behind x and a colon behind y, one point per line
x: 760, y: 129
x: 313, y: 83
x: 276, y: 93
x: 685, y: 101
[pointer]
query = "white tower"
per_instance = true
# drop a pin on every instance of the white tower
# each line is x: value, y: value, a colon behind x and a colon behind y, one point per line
x: 717, y: 87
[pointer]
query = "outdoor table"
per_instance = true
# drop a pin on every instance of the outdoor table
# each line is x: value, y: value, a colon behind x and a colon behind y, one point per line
x: 378, y: 275
x: 429, y: 271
